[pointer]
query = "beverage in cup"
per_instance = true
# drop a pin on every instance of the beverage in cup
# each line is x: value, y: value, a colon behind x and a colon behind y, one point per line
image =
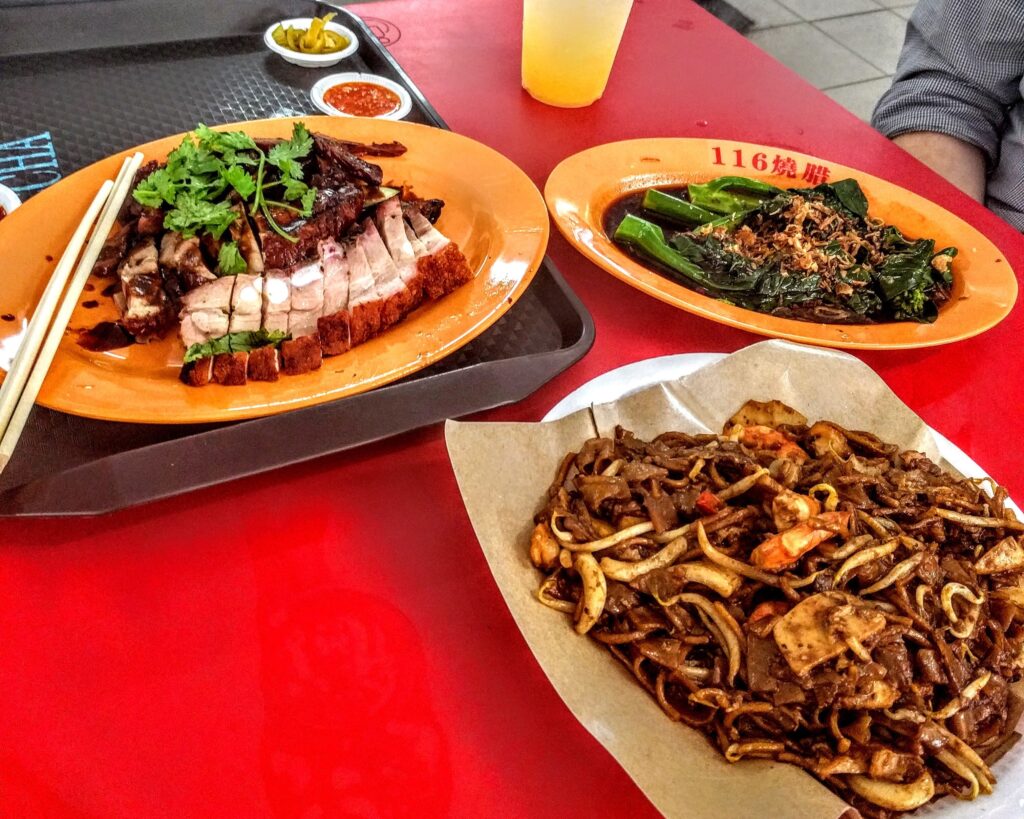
x: 569, y: 47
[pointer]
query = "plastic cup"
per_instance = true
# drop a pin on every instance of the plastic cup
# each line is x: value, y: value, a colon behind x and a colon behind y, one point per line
x: 569, y: 47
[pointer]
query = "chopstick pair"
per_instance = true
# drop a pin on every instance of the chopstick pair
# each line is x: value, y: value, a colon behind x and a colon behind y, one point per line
x: 38, y: 347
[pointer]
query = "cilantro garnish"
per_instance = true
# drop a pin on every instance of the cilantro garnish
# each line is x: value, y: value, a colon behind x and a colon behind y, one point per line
x: 243, y: 342
x: 209, y: 164
x: 229, y: 260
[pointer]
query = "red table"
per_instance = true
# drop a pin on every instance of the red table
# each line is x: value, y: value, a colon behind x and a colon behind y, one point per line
x: 326, y: 640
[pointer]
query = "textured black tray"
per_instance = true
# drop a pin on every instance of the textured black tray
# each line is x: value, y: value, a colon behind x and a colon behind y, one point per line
x: 96, y: 102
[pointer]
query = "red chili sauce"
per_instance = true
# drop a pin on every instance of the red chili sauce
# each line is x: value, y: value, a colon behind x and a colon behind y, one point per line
x: 3, y: 212
x: 362, y: 99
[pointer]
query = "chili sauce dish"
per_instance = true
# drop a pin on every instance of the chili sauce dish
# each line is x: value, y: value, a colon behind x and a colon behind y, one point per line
x: 355, y: 94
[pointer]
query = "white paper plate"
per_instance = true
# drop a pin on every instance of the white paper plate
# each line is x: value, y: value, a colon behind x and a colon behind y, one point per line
x: 1007, y: 802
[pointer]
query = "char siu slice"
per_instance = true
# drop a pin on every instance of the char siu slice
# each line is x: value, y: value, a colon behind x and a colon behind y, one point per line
x: 337, y: 164
x: 334, y: 211
x: 114, y: 250
x: 181, y: 258
x: 147, y: 310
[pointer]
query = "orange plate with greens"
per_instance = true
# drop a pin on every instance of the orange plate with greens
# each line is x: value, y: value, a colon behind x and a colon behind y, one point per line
x: 492, y: 210
x: 582, y: 187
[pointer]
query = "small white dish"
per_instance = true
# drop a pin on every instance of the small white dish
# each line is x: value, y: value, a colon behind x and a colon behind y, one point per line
x: 8, y: 199
x: 311, y: 60
x: 321, y: 86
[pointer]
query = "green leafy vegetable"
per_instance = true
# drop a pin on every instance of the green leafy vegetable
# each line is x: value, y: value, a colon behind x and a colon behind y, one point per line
x: 818, y: 271
x: 675, y: 209
x: 209, y: 164
x: 842, y: 195
x: 243, y: 342
x: 731, y: 194
x: 284, y: 154
x: 239, y: 179
x: 649, y: 240
x: 229, y: 260
x: 192, y: 214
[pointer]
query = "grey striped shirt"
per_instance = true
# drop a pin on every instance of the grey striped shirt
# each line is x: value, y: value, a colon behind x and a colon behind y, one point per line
x: 961, y: 73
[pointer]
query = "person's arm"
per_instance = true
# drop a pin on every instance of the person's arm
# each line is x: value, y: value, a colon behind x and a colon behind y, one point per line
x: 960, y: 69
x: 960, y: 162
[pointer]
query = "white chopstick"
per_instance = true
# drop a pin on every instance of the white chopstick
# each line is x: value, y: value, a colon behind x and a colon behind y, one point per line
x: 20, y: 388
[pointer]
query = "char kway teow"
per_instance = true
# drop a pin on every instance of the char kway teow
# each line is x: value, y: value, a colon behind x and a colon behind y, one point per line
x: 801, y: 592
x: 269, y: 254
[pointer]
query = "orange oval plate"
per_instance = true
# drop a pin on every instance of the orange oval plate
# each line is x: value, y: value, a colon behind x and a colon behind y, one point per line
x: 492, y: 210
x: 582, y: 187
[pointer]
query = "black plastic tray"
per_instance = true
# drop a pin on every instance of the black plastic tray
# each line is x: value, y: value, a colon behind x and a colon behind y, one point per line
x: 96, y: 102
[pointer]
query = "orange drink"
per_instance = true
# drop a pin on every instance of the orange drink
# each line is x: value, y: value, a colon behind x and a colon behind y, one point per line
x: 569, y: 47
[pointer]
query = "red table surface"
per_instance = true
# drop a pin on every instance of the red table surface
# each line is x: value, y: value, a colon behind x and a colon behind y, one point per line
x: 327, y: 640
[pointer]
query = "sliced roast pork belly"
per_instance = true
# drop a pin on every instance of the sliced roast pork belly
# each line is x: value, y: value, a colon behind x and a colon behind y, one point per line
x: 364, y: 314
x: 301, y: 355
x: 443, y: 268
x: 334, y: 211
x: 246, y: 303
x: 302, y: 352
x: 261, y: 364
x: 332, y: 326
x: 206, y: 310
x: 277, y: 300
x: 182, y: 263
x: 205, y: 314
x: 307, y: 283
x: 147, y: 310
x: 395, y: 296
x: 392, y: 226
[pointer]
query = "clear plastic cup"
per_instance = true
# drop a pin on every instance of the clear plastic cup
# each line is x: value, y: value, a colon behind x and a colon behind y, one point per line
x: 569, y: 47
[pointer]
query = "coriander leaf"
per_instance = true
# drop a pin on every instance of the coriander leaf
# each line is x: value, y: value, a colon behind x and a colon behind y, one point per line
x: 284, y: 154
x: 294, y: 189
x: 224, y: 142
x: 229, y: 260
x: 205, y: 349
x: 239, y: 140
x: 249, y: 340
x: 301, y: 139
x: 145, y: 193
x: 241, y: 181
x: 307, y: 201
x: 235, y: 343
x: 280, y: 159
x: 192, y: 214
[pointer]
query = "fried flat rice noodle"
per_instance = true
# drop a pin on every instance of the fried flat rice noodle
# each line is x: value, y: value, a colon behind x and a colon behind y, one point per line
x: 878, y: 658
